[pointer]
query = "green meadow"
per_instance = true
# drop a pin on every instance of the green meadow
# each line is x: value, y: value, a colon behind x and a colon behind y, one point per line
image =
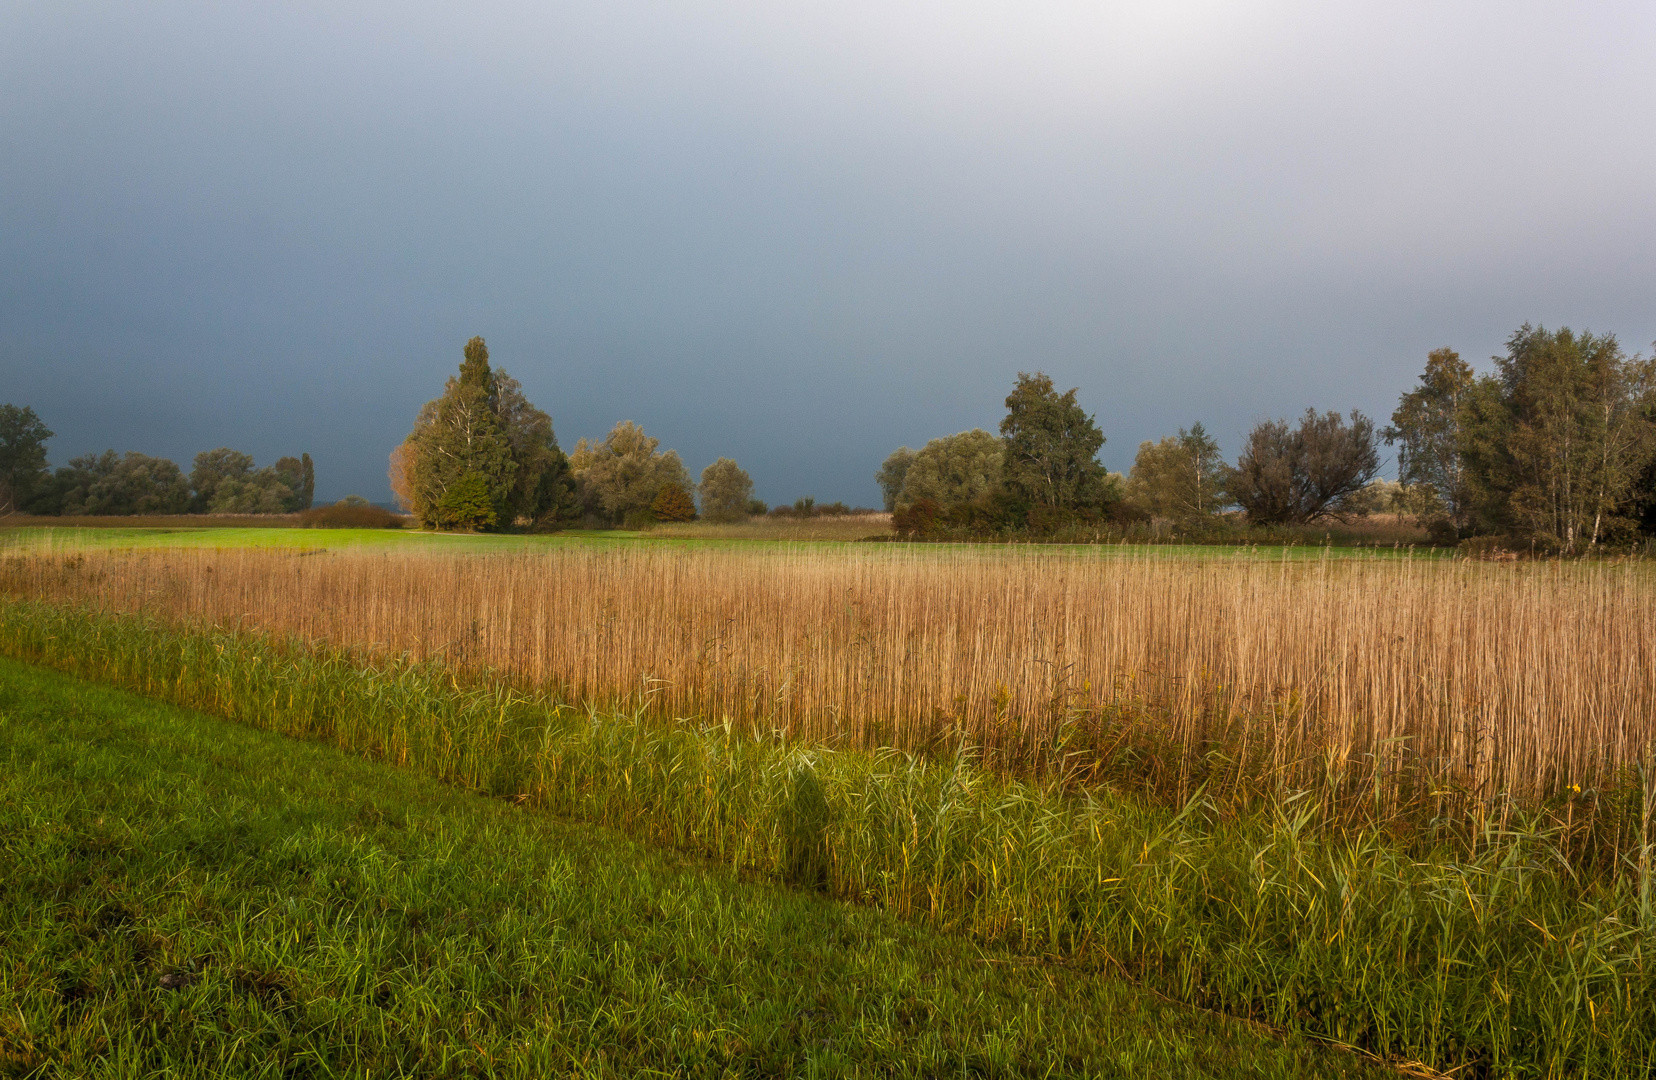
x: 185, y: 896
x: 140, y: 538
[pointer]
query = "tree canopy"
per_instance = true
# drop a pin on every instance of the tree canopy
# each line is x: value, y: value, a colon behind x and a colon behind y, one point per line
x: 1555, y: 441
x: 726, y: 491
x: 1181, y: 478
x: 893, y: 471
x: 23, y: 470
x: 481, y: 456
x: 621, y: 476
x: 1051, y: 456
x: 1291, y: 476
x: 1427, y: 429
x: 225, y: 482
x: 132, y: 483
x: 213, y: 468
x: 955, y: 470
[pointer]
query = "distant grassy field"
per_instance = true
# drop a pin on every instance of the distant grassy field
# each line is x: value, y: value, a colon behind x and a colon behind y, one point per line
x: 67, y: 534
x: 841, y: 527
x: 184, y: 896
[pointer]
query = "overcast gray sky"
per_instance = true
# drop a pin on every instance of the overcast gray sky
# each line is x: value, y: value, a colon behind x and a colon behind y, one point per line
x: 798, y: 234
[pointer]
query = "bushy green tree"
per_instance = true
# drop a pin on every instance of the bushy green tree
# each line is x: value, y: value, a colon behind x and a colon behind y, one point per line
x: 483, y: 430
x: 891, y: 475
x: 1181, y: 478
x: 1290, y: 476
x: 1554, y: 442
x: 225, y: 482
x: 1051, y: 458
x: 726, y: 491
x: 955, y: 470
x: 132, y: 483
x: 1427, y: 430
x: 212, y: 468
x: 623, y: 474
x: 262, y: 491
x: 469, y: 503
x: 23, y: 473
x: 543, y: 494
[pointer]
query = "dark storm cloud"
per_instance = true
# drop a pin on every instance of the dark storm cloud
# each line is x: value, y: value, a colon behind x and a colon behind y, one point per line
x: 797, y: 236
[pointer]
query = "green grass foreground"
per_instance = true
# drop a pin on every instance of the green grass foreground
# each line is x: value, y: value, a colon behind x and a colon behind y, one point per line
x: 1491, y: 956
x: 184, y: 896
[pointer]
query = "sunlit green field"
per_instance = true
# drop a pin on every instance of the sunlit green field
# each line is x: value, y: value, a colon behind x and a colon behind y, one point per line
x: 138, y: 537
x: 185, y: 896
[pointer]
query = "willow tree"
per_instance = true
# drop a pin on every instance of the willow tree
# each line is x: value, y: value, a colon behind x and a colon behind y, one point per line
x: 726, y: 491
x: 955, y: 470
x: 893, y: 472
x: 620, y: 476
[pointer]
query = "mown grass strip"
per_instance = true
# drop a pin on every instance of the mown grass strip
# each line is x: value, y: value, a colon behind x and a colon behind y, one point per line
x: 187, y: 897
x: 1500, y: 961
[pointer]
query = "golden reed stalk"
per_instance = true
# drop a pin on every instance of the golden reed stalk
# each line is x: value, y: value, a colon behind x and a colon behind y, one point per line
x: 1517, y: 678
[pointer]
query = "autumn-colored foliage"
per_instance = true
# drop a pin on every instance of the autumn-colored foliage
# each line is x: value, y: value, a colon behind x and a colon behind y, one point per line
x: 673, y: 503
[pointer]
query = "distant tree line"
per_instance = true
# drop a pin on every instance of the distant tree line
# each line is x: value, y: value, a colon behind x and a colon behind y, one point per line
x: 222, y: 481
x: 1556, y: 448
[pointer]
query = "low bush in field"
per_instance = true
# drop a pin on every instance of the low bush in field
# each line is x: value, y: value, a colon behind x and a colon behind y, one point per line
x: 1489, y: 955
x: 350, y: 515
x: 807, y: 507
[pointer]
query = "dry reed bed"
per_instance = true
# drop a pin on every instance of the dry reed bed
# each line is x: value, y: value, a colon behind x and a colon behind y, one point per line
x: 1516, y: 678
